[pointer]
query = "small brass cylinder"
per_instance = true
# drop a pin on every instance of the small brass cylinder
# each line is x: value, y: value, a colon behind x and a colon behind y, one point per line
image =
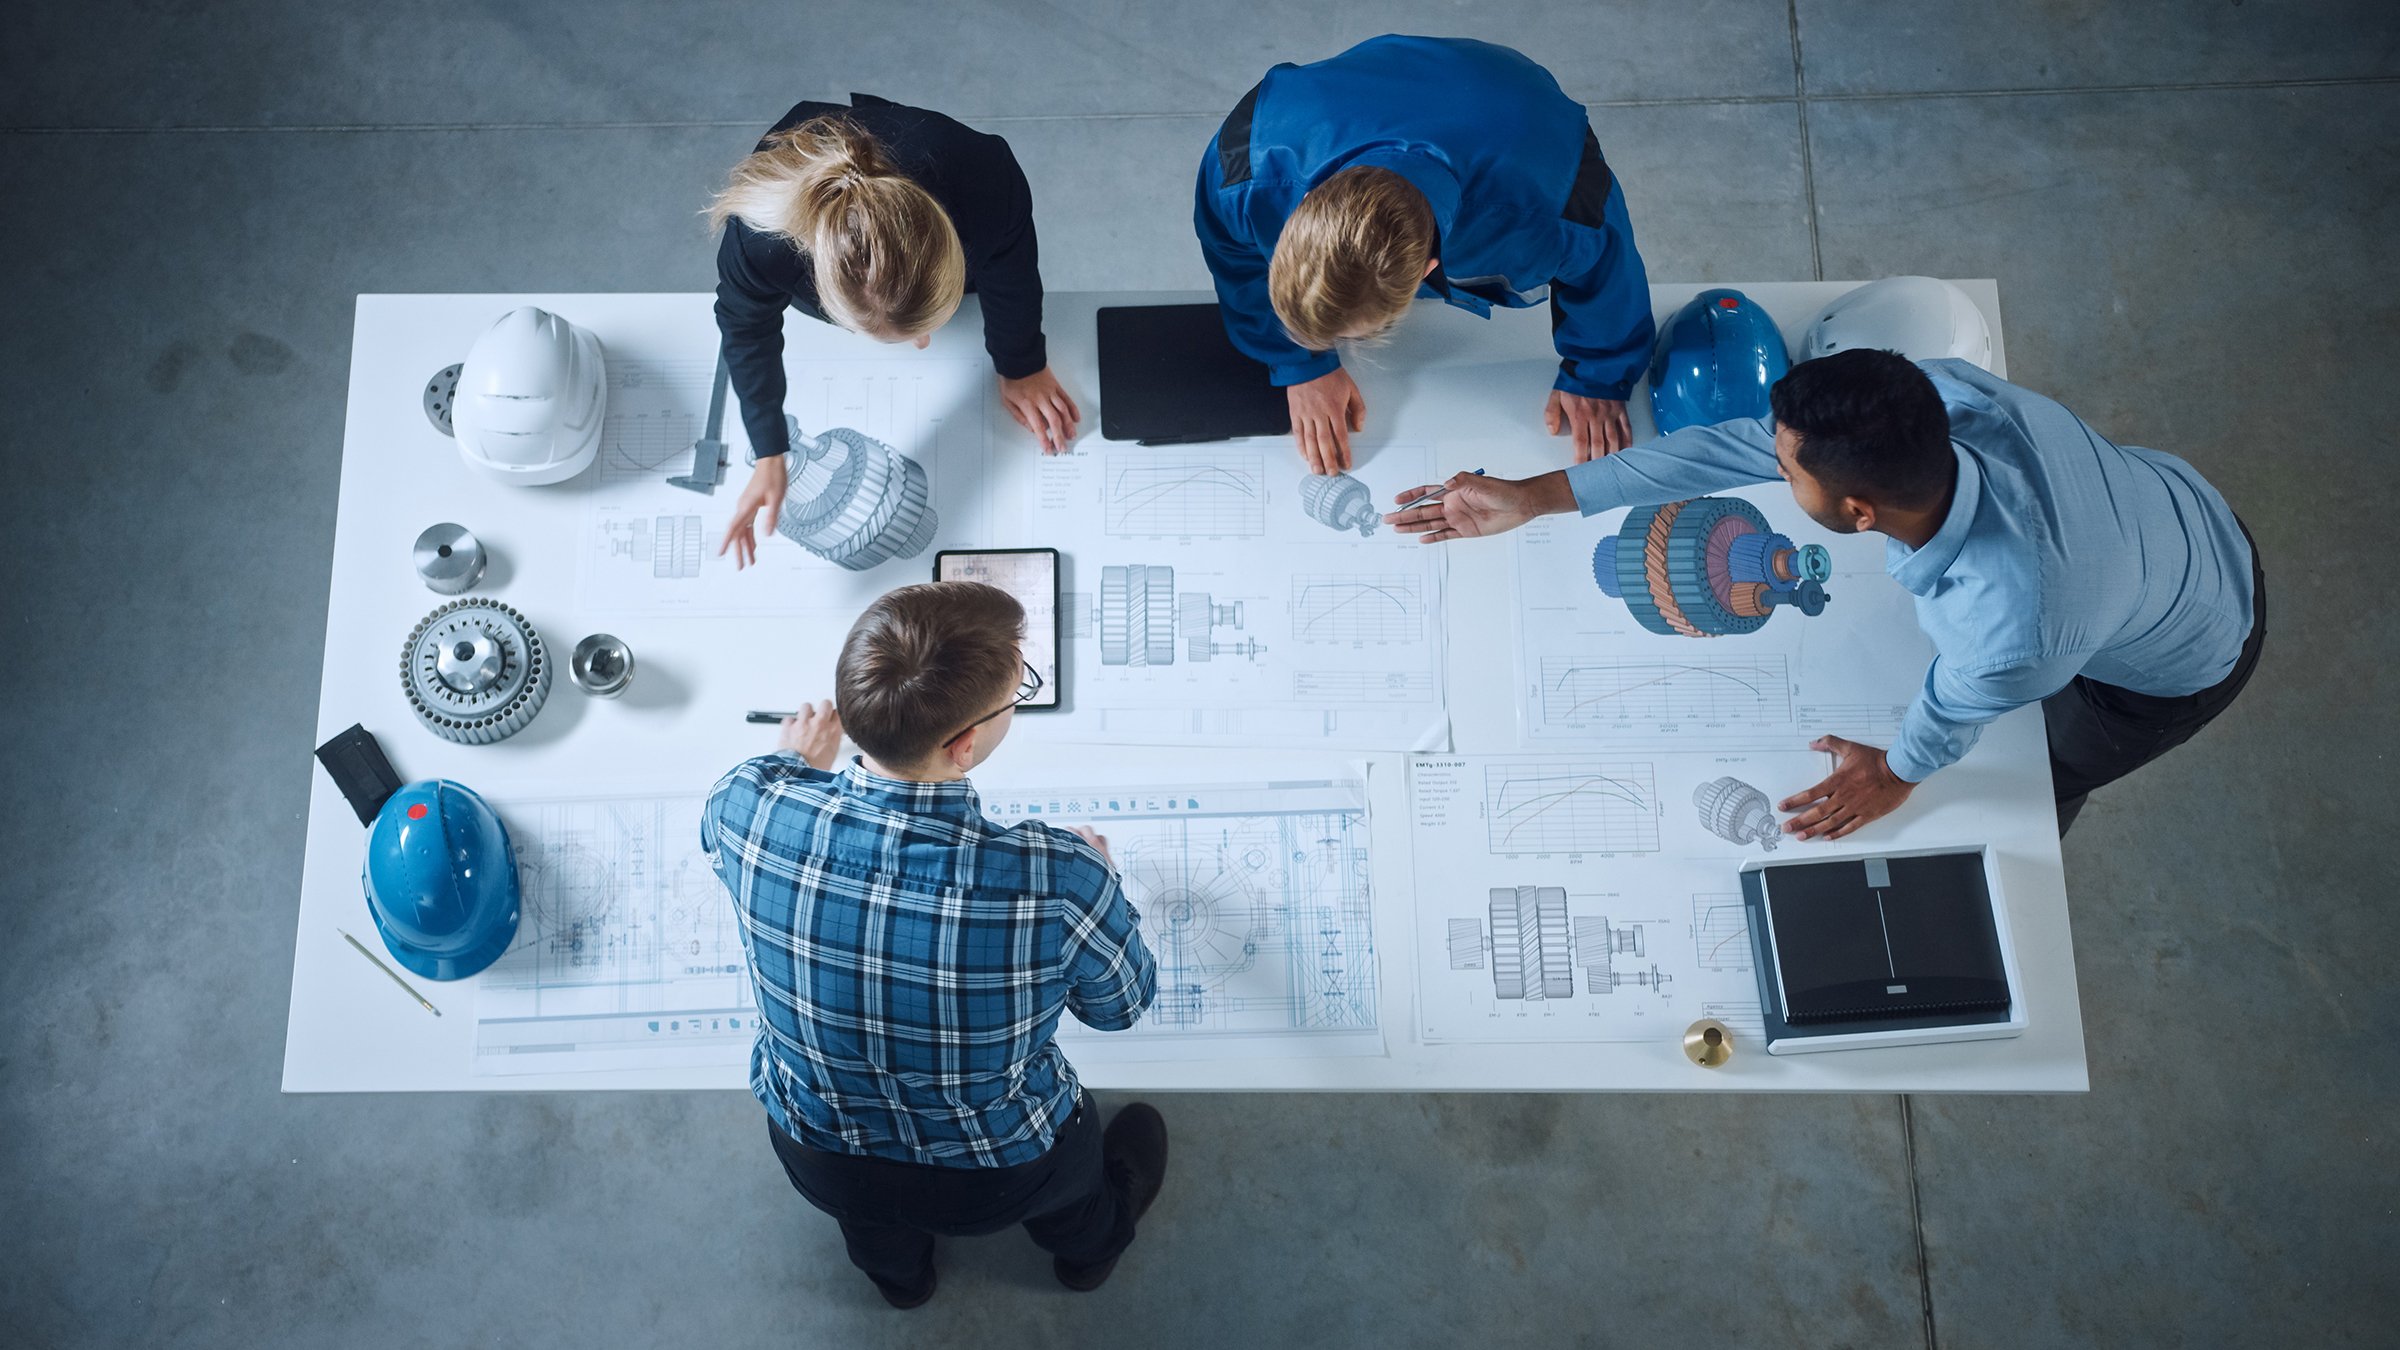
x: 1708, y: 1043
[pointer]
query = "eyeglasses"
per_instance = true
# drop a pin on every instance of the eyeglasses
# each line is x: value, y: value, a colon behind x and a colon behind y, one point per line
x: 1026, y: 689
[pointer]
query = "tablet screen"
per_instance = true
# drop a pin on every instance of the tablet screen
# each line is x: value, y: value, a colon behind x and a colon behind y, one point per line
x: 1031, y: 575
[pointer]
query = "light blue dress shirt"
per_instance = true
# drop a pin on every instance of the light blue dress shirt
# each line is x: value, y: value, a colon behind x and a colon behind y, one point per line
x: 2063, y: 554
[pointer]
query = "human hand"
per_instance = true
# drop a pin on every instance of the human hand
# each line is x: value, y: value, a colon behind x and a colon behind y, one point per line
x: 1325, y: 411
x: 1096, y: 839
x: 1599, y: 424
x: 765, y: 489
x: 1862, y: 788
x: 814, y: 734
x: 1472, y: 506
x: 1042, y: 407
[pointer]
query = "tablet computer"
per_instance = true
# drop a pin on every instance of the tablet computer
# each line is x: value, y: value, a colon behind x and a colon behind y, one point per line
x: 1170, y: 376
x: 1031, y: 575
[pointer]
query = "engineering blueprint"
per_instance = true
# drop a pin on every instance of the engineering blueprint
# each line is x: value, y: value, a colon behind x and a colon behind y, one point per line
x: 906, y: 454
x: 1590, y: 897
x: 1221, y: 594
x: 1727, y: 620
x: 628, y: 955
x: 1254, y: 898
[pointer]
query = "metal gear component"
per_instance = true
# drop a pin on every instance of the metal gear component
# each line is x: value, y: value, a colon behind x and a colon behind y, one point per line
x: 1708, y: 567
x: 1734, y: 811
x: 475, y: 672
x: 1137, y: 615
x: 854, y: 501
x: 449, y: 559
x: 1339, y: 501
x: 441, y: 394
x: 601, y: 665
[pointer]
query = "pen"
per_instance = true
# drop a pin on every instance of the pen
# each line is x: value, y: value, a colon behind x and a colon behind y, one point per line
x: 768, y: 719
x: 1431, y: 497
x: 379, y: 965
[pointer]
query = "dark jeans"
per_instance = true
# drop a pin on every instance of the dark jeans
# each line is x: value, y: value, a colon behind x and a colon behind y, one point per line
x: 2099, y: 732
x: 890, y: 1211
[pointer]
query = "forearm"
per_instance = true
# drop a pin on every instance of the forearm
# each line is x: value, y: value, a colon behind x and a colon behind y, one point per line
x: 1691, y: 463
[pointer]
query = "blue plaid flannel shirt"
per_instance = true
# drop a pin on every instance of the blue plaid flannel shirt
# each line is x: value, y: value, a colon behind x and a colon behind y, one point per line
x: 912, y: 959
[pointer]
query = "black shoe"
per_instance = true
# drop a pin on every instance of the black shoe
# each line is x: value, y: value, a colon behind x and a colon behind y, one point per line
x: 1133, y: 1154
x: 904, y: 1302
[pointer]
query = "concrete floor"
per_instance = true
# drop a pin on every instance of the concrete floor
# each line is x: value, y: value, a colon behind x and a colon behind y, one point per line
x: 2191, y: 210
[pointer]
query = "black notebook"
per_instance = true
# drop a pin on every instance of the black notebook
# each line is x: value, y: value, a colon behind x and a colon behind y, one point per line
x: 1168, y: 374
x: 1882, y: 939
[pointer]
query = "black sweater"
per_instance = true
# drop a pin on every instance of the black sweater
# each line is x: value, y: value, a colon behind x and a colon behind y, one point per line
x: 977, y: 182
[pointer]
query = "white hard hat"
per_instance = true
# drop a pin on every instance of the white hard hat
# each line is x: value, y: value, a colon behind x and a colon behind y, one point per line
x: 531, y: 394
x: 1922, y: 318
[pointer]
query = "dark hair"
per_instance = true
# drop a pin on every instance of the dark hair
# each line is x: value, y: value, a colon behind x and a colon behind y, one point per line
x: 923, y: 662
x: 1871, y: 426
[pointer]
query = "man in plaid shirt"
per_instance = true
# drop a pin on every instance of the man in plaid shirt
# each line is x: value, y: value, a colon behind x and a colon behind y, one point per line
x: 912, y: 960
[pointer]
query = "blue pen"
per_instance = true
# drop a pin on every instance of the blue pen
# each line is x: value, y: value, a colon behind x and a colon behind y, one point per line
x: 1430, y: 497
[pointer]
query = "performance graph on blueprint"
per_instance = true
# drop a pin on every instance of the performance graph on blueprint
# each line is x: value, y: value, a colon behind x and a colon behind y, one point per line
x: 1219, y: 597
x: 1255, y: 900
x: 651, y: 547
x: 627, y: 955
x: 1570, y: 897
x: 1647, y: 627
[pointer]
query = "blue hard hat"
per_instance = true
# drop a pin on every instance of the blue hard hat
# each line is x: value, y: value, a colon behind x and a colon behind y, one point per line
x: 441, y: 880
x: 1715, y: 361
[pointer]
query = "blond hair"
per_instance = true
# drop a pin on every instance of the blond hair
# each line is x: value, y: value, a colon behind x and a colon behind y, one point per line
x: 887, y: 258
x: 1350, y: 258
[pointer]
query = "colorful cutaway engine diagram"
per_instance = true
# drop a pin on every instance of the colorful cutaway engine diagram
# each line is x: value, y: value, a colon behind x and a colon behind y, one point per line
x: 1708, y: 567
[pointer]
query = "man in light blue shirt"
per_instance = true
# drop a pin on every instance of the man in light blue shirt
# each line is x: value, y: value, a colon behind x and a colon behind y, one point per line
x: 2111, y: 584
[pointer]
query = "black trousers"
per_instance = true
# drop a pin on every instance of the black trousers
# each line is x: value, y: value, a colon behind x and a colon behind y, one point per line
x: 2099, y: 732
x: 890, y: 1211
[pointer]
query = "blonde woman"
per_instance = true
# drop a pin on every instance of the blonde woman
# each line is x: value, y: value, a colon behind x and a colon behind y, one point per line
x: 877, y: 218
x: 1337, y: 192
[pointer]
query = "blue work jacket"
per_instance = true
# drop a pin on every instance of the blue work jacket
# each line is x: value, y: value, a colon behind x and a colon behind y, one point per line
x: 1526, y: 207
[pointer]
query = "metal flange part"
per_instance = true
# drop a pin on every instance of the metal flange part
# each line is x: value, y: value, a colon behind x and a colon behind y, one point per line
x: 475, y: 672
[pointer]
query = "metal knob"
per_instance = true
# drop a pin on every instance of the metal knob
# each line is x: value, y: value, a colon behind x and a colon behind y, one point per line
x: 449, y: 559
x: 1708, y: 1043
x: 602, y: 665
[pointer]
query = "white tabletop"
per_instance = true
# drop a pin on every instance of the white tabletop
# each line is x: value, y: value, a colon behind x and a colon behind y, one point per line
x: 1470, y: 388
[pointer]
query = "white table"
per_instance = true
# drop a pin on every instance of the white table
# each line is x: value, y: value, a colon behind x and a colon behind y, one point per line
x: 1447, y: 378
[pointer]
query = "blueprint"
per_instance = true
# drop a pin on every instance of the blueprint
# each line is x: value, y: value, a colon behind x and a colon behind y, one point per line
x: 649, y: 547
x: 628, y: 955
x: 1255, y: 900
x: 1219, y: 595
x: 1608, y: 609
x: 1591, y: 897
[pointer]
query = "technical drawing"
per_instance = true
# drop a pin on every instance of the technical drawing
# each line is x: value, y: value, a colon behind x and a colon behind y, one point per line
x: 854, y: 501
x: 648, y: 430
x: 629, y: 953
x: 1708, y: 567
x: 1261, y: 918
x: 1339, y: 502
x: 675, y: 548
x: 1363, y: 686
x: 1595, y: 689
x: 1721, y: 931
x: 1140, y: 617
x: 1534, y: 951
x: 1186, y: 495
x: 1544, y: 807
x: 1334, y: 607
x: 1735, y: 811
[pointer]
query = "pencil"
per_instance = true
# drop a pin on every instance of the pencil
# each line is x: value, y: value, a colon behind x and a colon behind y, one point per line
x: 379, y: 965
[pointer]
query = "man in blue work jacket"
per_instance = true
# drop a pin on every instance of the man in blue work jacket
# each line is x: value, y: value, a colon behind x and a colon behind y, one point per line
x: 1337, y: 192
x: 2110, y: 584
